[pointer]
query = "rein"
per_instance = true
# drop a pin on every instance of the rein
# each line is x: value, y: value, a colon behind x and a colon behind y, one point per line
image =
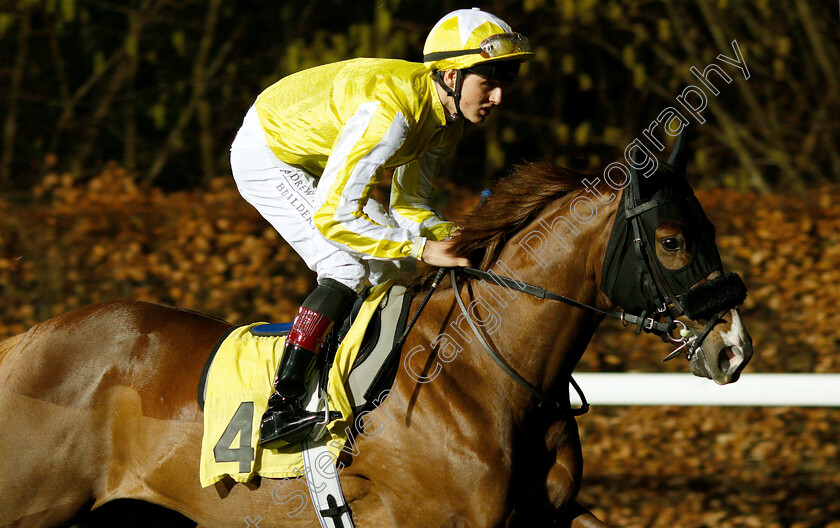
x: 642, y: 323
x: 545, y: 401
x: 648, y: 324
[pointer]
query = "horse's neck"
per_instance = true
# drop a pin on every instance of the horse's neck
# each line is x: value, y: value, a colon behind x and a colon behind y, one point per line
x: 544, y: 339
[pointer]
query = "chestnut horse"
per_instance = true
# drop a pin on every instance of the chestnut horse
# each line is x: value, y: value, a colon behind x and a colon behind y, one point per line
x: 100, y: 404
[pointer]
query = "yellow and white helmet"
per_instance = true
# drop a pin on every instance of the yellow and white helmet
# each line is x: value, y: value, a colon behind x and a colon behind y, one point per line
x: 468, y: 37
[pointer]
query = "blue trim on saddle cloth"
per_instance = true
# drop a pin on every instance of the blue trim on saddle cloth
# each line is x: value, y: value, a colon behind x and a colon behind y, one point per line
x: 271, y: 329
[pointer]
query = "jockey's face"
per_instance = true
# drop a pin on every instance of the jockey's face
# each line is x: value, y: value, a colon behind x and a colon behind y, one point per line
x: 478, y: 96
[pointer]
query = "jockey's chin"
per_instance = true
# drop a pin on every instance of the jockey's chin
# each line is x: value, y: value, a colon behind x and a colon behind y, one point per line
x: 484, y: 113
x: 478, y: 115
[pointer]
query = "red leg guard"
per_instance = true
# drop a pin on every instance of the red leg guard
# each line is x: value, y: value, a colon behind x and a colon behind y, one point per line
x: 309, y: 330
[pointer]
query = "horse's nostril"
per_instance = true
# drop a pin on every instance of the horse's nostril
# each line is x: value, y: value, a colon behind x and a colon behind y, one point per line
x: 725, y: 357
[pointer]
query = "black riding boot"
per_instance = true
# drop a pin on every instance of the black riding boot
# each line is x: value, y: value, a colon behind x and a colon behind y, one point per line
x: 286, y: 421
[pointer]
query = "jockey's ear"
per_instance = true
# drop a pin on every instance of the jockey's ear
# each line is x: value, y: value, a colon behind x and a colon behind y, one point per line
x: 450, y: 78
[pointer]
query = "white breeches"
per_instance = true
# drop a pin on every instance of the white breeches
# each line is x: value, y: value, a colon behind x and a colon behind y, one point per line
x: 285, y: 196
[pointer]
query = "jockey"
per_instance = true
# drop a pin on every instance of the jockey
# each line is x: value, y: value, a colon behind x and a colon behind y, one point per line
x: 314, y: 145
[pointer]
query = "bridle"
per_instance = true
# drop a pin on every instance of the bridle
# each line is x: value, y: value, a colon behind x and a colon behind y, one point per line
x: 659, y: 300
x: 648, y: 324
x: 546, y: 403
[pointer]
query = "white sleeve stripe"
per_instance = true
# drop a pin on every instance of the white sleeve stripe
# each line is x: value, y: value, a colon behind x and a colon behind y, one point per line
x: 362, y: 226
x: 350, y: 135
x: 345, y: 213
x: 359, y: 179
x: 416, y: 227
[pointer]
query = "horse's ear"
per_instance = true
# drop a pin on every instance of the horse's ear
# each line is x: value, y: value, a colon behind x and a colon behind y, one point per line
x: 635, y: 184
x: 679, y: 155
x: 644, y: 186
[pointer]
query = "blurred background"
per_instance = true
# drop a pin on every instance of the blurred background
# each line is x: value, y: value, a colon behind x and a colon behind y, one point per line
x: 116, y: 119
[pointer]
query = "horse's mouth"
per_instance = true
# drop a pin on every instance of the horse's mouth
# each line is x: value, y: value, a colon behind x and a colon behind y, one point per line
x: 728, y: 364
x: 729, y: 361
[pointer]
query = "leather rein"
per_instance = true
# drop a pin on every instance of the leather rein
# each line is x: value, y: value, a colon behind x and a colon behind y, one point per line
x: 545, y: 402
x: 648, y: 324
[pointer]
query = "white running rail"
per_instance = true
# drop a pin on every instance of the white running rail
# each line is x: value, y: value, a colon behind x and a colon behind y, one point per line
x: 767, y: 390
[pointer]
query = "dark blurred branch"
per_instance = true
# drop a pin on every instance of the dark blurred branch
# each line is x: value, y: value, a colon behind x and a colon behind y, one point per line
x: 201, y: 74
x: 126, y: 68
x: 200, y: 80
x: 818, y: 46
x: 10, y: 123
x: 64, y: 87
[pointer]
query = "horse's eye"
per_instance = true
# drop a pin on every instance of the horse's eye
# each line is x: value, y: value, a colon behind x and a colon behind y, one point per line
x: 672, y: 244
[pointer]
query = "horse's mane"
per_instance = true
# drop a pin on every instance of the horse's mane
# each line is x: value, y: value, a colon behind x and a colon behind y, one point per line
x: 516, y: 200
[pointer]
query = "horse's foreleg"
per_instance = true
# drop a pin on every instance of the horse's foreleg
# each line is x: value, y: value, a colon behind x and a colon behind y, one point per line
x: 42, y: 481
x: 579, y: 517
x: 564, y: 477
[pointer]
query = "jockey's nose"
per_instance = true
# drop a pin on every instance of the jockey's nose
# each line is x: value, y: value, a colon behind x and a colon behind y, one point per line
x: 496, y: 95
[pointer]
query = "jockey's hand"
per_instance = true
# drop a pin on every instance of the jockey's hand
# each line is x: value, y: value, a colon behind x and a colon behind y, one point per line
x: 436, y: 253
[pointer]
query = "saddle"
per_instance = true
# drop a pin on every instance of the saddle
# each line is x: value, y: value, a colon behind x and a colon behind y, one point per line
x: 237, y: 381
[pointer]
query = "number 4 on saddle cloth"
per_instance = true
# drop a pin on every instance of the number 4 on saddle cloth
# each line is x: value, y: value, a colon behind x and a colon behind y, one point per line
x: 238, y: 380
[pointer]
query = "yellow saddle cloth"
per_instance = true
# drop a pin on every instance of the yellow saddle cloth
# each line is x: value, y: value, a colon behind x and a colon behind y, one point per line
x: 239, y: 383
